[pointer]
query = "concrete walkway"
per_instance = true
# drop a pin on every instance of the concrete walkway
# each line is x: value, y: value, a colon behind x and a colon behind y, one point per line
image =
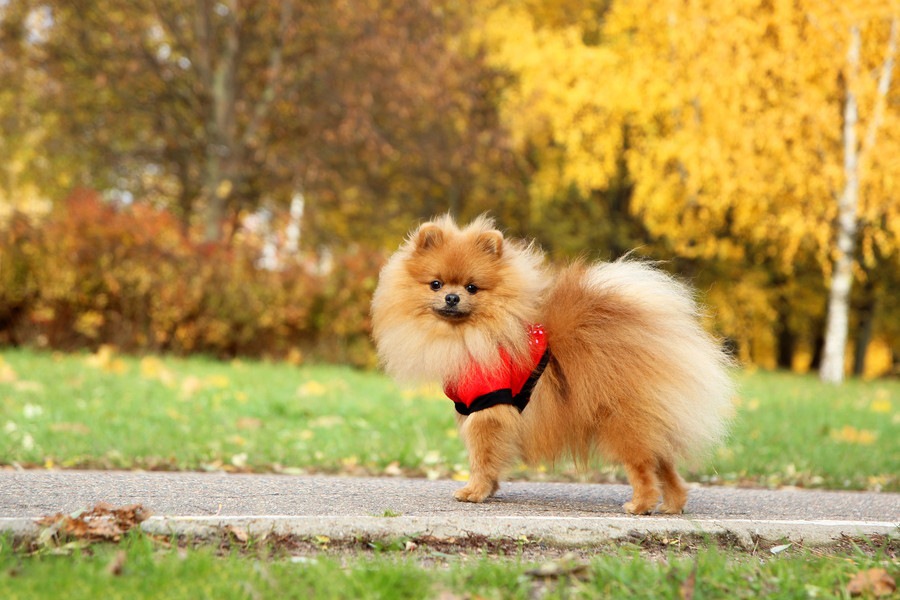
x: 338, y: 507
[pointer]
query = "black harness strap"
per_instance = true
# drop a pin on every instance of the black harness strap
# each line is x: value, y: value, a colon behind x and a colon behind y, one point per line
x: 505, y: 396
x: 484, y: 401
x: 522, y: 398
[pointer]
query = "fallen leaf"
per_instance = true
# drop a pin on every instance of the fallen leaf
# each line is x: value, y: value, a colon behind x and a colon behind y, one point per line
x: 566, y: 566
x: 238, y: 533
x: 393, y: 469
x: 190, y: 386
x: 28, y: 386
x: 881, y: 406
x: 117, y: 563
x: 311, y: 388
x: 779, y: 549
x: 686, y: 589
x: 103, y: 522
x: 7, y: 373
x: 326, y: 421
x: 217, y: 381
x: 248, y: 423
x: 105, y: 359
x: 876, y: 582
x: 153, y: 368
x: 79, y: 428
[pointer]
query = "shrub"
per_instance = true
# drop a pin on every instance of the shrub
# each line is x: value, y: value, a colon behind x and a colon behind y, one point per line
x: 92, y: 274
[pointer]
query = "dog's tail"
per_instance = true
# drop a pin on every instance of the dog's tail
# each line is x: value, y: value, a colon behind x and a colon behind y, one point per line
x: 628, y: 343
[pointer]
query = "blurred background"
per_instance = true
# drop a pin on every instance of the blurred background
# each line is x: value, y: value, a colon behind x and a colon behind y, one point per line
x: 226, y: 177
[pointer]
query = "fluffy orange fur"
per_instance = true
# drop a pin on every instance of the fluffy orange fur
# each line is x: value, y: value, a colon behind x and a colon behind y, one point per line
x: 632, y: 374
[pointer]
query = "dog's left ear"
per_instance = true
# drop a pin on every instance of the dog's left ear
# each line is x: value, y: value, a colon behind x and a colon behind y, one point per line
x: 429, y: 235
x: 491, y: 242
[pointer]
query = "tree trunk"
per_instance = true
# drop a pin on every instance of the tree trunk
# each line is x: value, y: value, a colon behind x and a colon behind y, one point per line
x: 832, y: 369
x: 221, y: 81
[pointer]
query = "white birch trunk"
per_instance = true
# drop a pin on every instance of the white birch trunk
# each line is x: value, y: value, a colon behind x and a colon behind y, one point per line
x: 832, y: 368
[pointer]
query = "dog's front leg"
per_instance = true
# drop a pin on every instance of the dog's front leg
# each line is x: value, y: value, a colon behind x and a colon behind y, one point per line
x: 492, y: 437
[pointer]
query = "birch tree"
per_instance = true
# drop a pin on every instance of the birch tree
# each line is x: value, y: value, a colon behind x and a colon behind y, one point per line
x: 832, y: 368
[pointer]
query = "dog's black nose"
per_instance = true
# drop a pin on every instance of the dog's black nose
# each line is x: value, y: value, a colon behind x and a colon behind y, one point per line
x: 451, y: 299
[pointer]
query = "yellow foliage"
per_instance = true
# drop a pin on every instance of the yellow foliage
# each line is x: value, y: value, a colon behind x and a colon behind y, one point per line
x: 879, y: 359
x: 729, y: 118
x: 564, y: 101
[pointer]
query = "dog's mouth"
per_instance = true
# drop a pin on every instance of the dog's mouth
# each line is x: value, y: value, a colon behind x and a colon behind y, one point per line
x: 451, y: 314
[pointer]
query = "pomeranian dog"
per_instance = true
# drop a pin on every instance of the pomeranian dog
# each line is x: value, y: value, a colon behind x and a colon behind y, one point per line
x: 605, y: 358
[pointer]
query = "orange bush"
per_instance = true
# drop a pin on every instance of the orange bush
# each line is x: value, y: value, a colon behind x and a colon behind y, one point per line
x: 93, y: 274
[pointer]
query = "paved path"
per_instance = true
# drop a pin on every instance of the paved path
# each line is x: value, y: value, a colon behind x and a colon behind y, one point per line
x: 200, y: 504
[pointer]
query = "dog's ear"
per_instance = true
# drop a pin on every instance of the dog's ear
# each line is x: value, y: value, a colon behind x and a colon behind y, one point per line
x: 491, y: 242
x: 428, y: 236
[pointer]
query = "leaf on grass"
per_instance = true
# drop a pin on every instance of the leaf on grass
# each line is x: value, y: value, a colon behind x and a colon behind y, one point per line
x: 686, y: 589
x: 7, y: 373
x: 566, y: 566
x: 779, y: 549
x: 248, y: 423
x: 327, y: 421
x: 153, y: 368
x: 101, y: 523
x: 217, y: 381
x: 105, y: 360
x: 311, y: 388
x: 875, y: 582
x: 851, y: 435
x: 881, y: 406
x: 28, y: 386
x: 79, y: 428
x: 190, y: 386
x: 116, y: 565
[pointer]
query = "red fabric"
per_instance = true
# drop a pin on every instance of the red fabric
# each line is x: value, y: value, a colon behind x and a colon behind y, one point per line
x: 476, y: 381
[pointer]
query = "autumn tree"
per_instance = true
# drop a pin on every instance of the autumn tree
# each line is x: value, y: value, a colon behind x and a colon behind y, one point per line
x: 22, y: 93
x: 217, y: 106
x: 728, y: 120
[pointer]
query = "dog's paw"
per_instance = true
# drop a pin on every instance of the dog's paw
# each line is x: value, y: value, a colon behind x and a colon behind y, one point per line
x: 633, y: 508
x: 476, y: 492
x: 667, y: 509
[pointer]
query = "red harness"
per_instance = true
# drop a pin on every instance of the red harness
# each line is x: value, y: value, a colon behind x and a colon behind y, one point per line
x: 512, y: 384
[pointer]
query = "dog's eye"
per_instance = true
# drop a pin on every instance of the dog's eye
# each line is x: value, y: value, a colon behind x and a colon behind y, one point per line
x: 436, y: 285
x: 471, y: 288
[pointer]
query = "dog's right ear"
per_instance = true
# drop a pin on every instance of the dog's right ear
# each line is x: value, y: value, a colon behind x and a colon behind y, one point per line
x: 429, y: 236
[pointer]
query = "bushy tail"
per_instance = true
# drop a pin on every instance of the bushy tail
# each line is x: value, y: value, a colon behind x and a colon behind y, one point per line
x: 633, y: 333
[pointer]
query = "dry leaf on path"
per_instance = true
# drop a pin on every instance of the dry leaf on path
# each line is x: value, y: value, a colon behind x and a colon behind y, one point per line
x: 875, y: 582
x: 103, y: 522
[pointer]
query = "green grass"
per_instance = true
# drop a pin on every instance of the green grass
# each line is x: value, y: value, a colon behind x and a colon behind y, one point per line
x: 141, y: 567
x: 109, y: 411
